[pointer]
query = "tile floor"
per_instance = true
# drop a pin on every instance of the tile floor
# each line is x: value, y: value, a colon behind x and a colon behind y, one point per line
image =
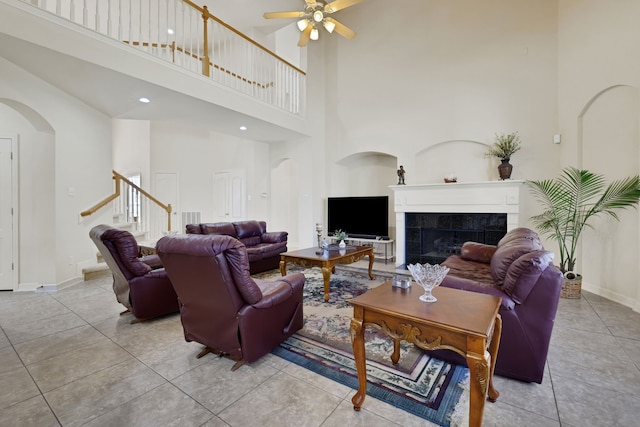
x: 69, y: 359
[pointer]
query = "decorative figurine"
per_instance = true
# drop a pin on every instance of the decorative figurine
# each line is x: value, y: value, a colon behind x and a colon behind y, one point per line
x: 401, y: 175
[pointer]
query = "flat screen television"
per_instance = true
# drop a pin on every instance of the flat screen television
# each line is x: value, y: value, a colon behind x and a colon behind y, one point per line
x: 360, y: 217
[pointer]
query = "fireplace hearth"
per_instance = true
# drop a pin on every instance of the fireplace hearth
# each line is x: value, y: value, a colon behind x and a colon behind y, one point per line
x: 432, y: 237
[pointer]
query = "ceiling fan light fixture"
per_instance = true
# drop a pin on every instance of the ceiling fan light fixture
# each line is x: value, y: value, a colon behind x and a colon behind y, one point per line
x: 329, y: 26
x: 302, y: 24
x: 314, y: 34
x: 318, y: 16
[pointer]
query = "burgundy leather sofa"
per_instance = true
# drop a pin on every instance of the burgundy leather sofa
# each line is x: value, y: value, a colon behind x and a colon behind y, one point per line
x: 221, y: 305
x: 140, y: 283
x: 521, y: 272
x: 264, y: 248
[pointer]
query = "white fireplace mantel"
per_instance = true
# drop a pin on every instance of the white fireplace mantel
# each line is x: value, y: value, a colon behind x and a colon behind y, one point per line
x: 459, y: 197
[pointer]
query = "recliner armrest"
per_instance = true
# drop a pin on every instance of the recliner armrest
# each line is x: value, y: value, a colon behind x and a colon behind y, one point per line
x: 152, y: 261
x: 279, y: 291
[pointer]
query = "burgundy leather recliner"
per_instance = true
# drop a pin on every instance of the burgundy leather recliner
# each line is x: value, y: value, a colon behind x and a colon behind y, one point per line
x: 140, y: 283
x: 221, y: 305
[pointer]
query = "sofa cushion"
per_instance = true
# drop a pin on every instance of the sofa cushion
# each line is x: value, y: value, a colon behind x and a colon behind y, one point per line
x: 472, y: 270
x: 507, y: 253
x: 478, y: 252
x: 251, y: 241
x: 225, y: 228
x: 246, y: 229
x: 524, y: 272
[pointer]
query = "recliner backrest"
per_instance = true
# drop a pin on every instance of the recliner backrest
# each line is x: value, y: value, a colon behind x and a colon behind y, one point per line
x: 120, y: 252
x: 210, y: 274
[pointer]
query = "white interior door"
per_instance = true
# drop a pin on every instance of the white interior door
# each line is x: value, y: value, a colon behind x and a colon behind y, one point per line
x: 229, y: 196
x: 7, y: 210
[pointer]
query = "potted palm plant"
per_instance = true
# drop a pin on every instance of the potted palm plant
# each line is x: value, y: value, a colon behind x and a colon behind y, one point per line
x: 503, y: 148
x: 569, y: 202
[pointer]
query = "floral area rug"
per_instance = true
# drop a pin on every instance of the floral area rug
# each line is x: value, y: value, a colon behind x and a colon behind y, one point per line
x: 427, y: 387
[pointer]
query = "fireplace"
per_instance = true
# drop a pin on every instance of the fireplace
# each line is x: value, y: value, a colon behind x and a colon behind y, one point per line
x: 498, y: 201
x: 432, y: 237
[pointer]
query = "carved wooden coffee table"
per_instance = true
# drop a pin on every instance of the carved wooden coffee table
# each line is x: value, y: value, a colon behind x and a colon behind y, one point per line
x: 326, y: 260
x: 465, y: 322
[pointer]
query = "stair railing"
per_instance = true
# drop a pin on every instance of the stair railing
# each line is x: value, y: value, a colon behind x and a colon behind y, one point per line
x: 133, y: 206
x: 185, y: 34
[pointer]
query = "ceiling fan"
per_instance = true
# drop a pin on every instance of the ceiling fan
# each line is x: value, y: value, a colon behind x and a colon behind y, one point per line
x: 314, y: 14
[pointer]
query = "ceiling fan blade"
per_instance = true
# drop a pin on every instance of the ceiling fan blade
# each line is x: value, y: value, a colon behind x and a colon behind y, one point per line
x: 310, y: 3
x: 342, y: 29
x: 337, y: 5
x: 272, y: 15
x: 305, y: 36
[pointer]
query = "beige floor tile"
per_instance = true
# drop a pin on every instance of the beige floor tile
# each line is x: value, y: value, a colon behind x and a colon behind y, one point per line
x: 17, y: 386
x: 215, y: 386
x: 33, y: 412
x: 31, y: 330
x: 164, y: 406
x: 67, y: 367
x: 91, y: 396
x: 174, y: 359
x: 588, y: 405
x: 281, y: 400
x: 55, y: 344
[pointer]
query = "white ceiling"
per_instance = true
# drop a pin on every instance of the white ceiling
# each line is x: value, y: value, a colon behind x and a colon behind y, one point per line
x: 110, y: 91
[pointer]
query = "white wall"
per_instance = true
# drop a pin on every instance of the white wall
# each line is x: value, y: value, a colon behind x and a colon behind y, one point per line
x: 65, y: 168
x: 599, y: 116
x: 131, y: 149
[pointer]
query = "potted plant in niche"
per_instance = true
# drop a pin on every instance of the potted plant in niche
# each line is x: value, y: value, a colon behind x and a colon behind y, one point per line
x: 569, y: 202
x: 503, y: 148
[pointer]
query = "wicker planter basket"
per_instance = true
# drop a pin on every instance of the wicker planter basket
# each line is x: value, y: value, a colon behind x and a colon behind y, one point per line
x: 571, y: 288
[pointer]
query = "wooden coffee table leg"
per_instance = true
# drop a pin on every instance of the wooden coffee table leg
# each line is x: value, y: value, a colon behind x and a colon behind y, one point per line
x: 326, y: 276
x: 357, y: 340
x: 479, y: 373
x: 283, y: 267
x: 493, y: 351
x: 371, y: 257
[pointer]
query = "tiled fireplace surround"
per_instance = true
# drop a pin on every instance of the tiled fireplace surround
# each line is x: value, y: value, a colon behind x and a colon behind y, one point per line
x: 490, y: 197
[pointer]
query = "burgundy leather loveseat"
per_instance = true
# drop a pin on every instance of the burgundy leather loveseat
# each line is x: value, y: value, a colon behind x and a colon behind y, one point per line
x: 264, y: 248
x: 522, y: 273
x: 221, y: 305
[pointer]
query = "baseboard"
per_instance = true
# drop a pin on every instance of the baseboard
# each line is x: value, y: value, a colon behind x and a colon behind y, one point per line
x: 632, y: 303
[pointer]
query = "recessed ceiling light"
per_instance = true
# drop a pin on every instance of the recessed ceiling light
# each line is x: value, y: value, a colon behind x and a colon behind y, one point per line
x: 170, y: 31
x: 144, y: 100
x: 243, y: 128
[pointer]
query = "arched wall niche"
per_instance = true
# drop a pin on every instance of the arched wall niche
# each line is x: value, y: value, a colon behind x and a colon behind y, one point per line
x: 35, y: 254
x: 37, y: 121
x: 609, y: 144
x: 367, y: 173
x: 464, y: 159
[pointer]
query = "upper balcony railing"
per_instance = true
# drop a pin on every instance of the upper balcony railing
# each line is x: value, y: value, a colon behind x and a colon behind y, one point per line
x: 189, y: 36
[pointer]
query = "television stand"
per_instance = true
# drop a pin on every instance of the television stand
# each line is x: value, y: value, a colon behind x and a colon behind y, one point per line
x: 386, y: 255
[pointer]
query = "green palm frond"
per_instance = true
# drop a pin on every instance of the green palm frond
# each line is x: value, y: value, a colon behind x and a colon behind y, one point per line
x: 572, y: 199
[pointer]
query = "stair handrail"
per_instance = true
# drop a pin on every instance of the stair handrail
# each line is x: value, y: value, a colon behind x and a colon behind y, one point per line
x: 118, y: 178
